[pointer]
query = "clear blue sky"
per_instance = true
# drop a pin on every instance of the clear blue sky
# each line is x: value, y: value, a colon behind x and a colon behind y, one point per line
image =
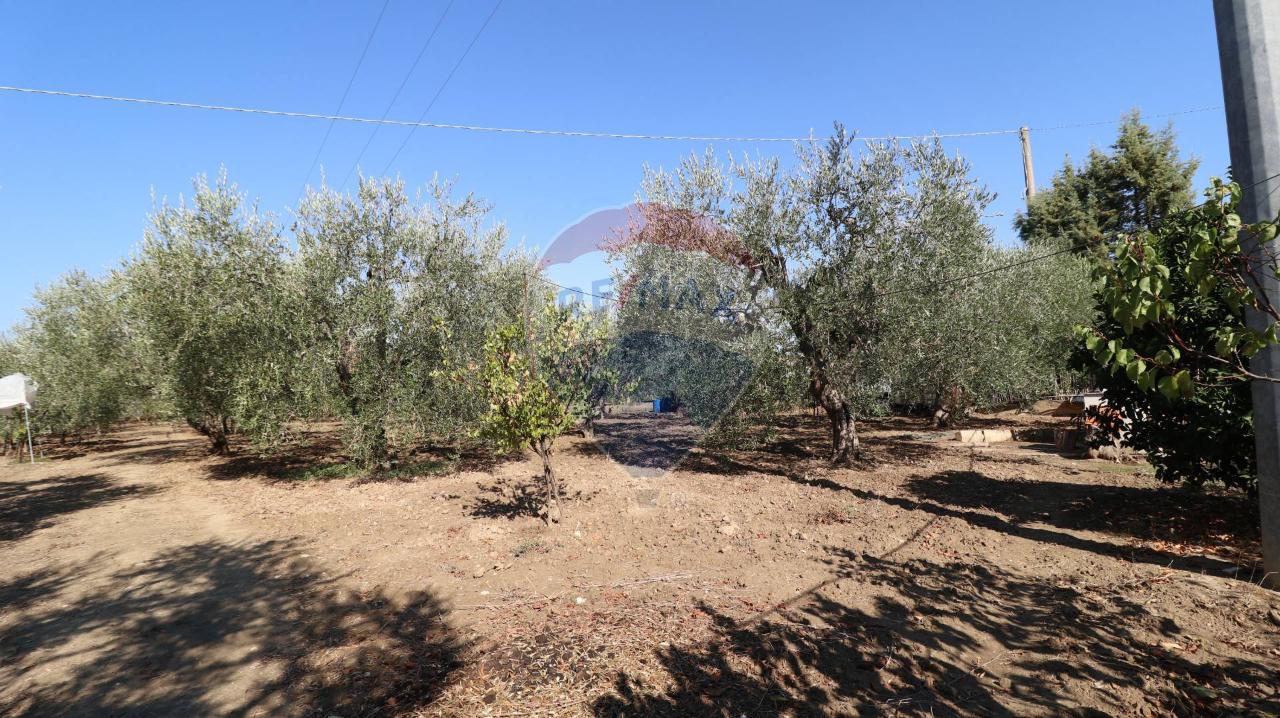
x: 76, y: 176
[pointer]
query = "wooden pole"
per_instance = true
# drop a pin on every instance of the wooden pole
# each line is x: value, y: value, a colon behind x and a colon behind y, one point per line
x: 1028, y: 171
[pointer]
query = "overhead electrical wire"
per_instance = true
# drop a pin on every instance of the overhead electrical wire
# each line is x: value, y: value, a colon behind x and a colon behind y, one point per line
x: 443, y: 85
x: 1162, y: 116
x: 328, y: 130
x: 551, y: 132
x: 420, y: 122
x: 383, y: 121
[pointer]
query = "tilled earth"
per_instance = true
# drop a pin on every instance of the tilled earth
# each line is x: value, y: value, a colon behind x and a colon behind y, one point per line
x: 141, y: 577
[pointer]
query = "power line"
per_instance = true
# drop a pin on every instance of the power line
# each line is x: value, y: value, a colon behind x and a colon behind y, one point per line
x: 1162, y: 116
x: 545, y: 132
x: 443, y: 85
x: 396, y: 96
x: 575, y: 290
x: 343, y: 101
x: 976, y: 275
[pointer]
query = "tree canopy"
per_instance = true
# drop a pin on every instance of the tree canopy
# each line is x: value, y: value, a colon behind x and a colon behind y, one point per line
x: 208, y: 291
x: 389, y: 292
x: 847, y: 263
x: 1173, y: 339
x: 859, y: 275
x: 91, y: 369
x: 1140, y: 182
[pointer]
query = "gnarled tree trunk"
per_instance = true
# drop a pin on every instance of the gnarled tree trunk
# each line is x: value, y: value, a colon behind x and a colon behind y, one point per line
x: 844, y: 432
x: 840, y: 414
x: 550, y: 483
x: 218, y: 432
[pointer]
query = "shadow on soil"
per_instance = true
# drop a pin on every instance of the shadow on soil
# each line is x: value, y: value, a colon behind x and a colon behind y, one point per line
x: 29, y: 506
x: 791, y: 457
x: 220, y: 629
x: 175, y: 445
x: 1163, y: 514
x: 510, y: 500
x: 1016, y: 526
x: 644, y: 441
x: 315, y: 462
x: 77, y: 447
x: 933, y: 639
x: 803, y: 441
x: 315, y: 456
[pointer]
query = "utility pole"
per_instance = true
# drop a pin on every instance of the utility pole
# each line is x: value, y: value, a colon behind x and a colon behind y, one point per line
x: 1028, y: 172
x: 1249, y: 50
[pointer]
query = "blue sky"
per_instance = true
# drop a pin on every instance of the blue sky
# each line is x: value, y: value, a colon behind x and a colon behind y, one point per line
x: 77, y: 176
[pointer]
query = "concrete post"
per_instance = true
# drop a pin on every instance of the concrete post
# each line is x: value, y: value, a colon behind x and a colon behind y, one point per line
x: 1249, y: 50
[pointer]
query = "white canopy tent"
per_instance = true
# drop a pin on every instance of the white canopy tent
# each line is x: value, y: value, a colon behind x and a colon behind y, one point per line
x: 17, y: 390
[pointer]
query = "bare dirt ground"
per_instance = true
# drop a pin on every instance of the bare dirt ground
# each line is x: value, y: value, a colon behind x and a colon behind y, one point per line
x: 140, y: 577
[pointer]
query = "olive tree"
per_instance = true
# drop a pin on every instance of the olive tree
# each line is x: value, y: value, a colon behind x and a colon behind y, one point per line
x: 822, y: 247
x: 686, y: 329
x: 1005, y: 335
x: 85, y: 355
x: 392, y: 293
x: 208, y: 290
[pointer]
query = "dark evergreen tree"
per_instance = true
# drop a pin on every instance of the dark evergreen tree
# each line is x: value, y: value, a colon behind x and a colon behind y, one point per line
x: 1133, y: 188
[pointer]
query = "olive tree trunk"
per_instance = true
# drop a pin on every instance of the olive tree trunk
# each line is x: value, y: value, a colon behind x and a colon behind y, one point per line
x: 218, y: 432
x: 840, y: 416
x: 550, y: 484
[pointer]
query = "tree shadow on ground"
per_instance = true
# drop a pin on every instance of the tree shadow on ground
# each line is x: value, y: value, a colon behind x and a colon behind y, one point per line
x: 510, y: 500
x: 310, y: 456
x: 29, y: 506
x: 796, y: 455
x: 29, y: 588
x: 76, y: 447
x: 1167, y: 514
x: 219, y: 629
x: 645, y: 441
x: 920, y: 638
x: 326, y: 461
x: 907, y: 448
x: 997, y: 523
x: 160, y: 451
x: 115, y: 439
